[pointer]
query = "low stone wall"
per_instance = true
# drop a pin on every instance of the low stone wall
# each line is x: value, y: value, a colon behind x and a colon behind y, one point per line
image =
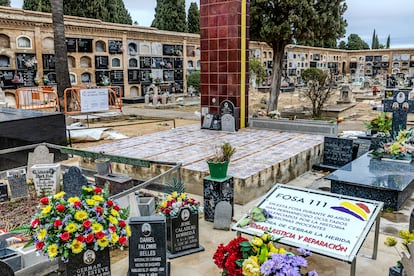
x: 303, y: 126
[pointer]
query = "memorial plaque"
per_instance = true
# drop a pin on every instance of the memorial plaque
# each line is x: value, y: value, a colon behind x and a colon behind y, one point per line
x: 178, y: 74
x: 168, y: 63
x: 17, y: 183
x: 178, y: 63
x: 363, y: 146
x: 115, y: 46
x: 46, y: 178
x: 48, y: 62
x: 73, y: 180
x: 337, y: 152
x: 133, y: 76
x: 28, y: 77
x: 71, y: 44
x: 147, y: 246
x: 145, y: 62
x: 25, y: 61
x: 90, y: 262
x: 6, y: 77
x: 117, y: 76
x: 168, y: 50
x: 133, y: 63
x: 40, y: 155
x: 208, y: 121
x: 183, y: 231
x: 101, y: 62
x: 156, y: 62
x: 84, y: 45
x: 4, y: 194
x: 145, y: 76
x: 227, y: 107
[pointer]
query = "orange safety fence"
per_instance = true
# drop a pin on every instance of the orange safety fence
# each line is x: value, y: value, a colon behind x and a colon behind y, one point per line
x: 73, y: 99
x: 37, y: 98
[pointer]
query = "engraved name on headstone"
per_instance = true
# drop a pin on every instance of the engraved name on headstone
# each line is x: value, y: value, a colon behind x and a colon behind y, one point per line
x: 73, y: 180
x: 46, y: 178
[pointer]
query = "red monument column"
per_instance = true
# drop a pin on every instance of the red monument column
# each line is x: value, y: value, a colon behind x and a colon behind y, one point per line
x: 224, y: 41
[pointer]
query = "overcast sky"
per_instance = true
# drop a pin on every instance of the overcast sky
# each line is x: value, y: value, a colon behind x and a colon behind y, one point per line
x: 387, y: 17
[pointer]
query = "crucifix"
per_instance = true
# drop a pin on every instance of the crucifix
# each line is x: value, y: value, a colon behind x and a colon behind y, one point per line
x: 400, y: 103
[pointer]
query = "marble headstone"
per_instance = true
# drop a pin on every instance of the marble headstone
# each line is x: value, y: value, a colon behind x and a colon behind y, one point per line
x: 222, y: 216
x: 73, y: 180
x: 46, y: 178
x: 40, y: 155
x: 17, y: 183
x: 228, y: 123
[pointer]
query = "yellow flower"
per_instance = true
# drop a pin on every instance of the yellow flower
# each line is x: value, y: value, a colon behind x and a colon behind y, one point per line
x: 114, y: 237
x: 87, y: 189
x: 73, y: 199
x: 266, y: 237
x: 59, y: 195
x: 52, y: 251
x: 114, y: 213
x: 76, y: 246
x: 179, y: 199
x: 103, y: 242
x: 128, y: 231
x: 164, y: 204
x: 71, y: 227
x: 97, y: 198
x: 251, y: 266
x: 390, y: 241
x: 256, y: 241
x: 90, y: 202
x: 46, y: 210
x: 169, y: 198
x: 97, y: 227
x: 183, y: 195
x: 113, y: 220
x: 81, y: 215
x: 174, y: 194
x: 42, y: 234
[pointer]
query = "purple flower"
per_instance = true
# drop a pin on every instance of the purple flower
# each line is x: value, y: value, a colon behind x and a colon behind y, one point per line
x: 313, y: 273
x: 267, y: 214
x: 299, y: 261
x: 267, y: 267
x: 304, y: 252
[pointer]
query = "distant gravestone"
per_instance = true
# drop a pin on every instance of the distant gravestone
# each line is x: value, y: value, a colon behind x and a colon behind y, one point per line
x: 228, y: 123
x: 147, y: 250
x: 227, y: 107
x: 17, y: 184
x: 345, y: 95
x: 147, y: 99
x: 40, y: 155
x: 46, y: 178
x: 208, y: 121
x: 73, y: 180
x: 4, y: 194
x: 164, y: 98
x: 363, y: 146
x: 222, y: 216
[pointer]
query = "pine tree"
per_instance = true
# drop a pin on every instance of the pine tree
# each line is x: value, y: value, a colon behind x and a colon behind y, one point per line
x: 170, y: 16
x: 387, y: 46
x: 5, y: 3
x: 193, y: 19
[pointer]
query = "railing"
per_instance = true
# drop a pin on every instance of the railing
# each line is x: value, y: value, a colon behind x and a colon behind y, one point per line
x: 37, y: 98
x: 73, y: 100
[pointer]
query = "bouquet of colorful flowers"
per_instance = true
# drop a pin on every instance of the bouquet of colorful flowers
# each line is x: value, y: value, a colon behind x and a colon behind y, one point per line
x: 259, y: 257
x: 400, y: 148
x: 171, y: 205
x: 63, y: 228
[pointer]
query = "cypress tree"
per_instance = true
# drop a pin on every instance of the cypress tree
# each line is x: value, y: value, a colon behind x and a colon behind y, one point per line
x: 193, y: 20
x: 170, y: 16
x: 388, y: 42
x: 373, y: 40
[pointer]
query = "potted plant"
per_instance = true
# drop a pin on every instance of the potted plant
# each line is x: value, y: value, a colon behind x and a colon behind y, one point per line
x: 70, y: 229
x: 382, y: 123
x: 218, y: 164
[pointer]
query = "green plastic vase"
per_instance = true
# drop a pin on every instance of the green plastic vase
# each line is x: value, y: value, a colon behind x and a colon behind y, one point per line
x: 218, y: 170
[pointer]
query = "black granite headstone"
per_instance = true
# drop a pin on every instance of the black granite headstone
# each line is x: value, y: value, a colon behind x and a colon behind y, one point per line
x: 363, y: 146
x: 400, y: 104
x: 182, y: 232
x: 4, y: 194
x: 71, y: 44
x: 145, y: 62
x: 73, y: 180
x: 90, y: 262
x: 337, y: 151
x: 133, y: 76
x: 101, y: 62
x: 214, y: 192
x: 17, y: 183
x: 5, y: 269
x: 147, y: 246
x: 85, y: 45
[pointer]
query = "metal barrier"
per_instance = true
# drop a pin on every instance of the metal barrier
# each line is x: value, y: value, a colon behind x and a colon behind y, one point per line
x: 72, y: 99
x: 37, y: 98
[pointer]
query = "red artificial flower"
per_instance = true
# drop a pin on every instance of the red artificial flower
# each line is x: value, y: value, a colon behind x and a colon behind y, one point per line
x: 57, y: 223
x: 60, y: 208
x: 90, y: 238
x: 110, y: 203
x: 225, y: 257
x: 112, y: 228
x: 77, y: 204
x: 100, y: 235
x: 35, y: 223
x: 97, y: 190
x: 122, y: 240
x: 44, y: 200
x: 65, y: 236
x: 80, y: 238
x: 99, y: 210
x: 87, y: 224
x: 39, y: 245
x: 122, y: 223
x: 117, y: 208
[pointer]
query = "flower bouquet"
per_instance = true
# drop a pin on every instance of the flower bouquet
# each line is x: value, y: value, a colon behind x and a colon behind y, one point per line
x: 382, y: 123
x: 63, y: 228
x: 259, y: 257
x: 401, y: 149
x: 171, y: 205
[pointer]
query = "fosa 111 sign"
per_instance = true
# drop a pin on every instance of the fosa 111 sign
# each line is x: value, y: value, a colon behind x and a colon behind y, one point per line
x: 329, y: 224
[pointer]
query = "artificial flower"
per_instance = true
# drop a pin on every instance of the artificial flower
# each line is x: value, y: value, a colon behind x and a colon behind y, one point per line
x: 171, y: 206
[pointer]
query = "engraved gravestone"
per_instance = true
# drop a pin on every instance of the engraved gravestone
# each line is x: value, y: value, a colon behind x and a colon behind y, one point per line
x: 363, y: 146
x: 40, y: 155
x: 337, y: 152
x: 228, y: 123
x: 208, y: 121
x: 222, y: 216
x: 147, y: 246
x: 4, y: 194
x: 46, y: 178
x: 17, y: 183
x: 400, y: 104
x: 73, y: 180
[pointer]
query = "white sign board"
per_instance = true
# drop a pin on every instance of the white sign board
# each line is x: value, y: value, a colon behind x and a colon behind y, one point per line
x: 94, y: 99
x: 329, y: 224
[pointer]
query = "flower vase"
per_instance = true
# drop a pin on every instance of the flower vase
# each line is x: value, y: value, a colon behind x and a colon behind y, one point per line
x: 89, y: 261
x: 218, y: 170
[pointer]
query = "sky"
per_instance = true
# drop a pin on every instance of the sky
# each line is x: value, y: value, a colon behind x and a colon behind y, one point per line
x: 387, y: 17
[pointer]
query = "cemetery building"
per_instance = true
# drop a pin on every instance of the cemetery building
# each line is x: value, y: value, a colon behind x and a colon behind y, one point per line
x: 134, y: 57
